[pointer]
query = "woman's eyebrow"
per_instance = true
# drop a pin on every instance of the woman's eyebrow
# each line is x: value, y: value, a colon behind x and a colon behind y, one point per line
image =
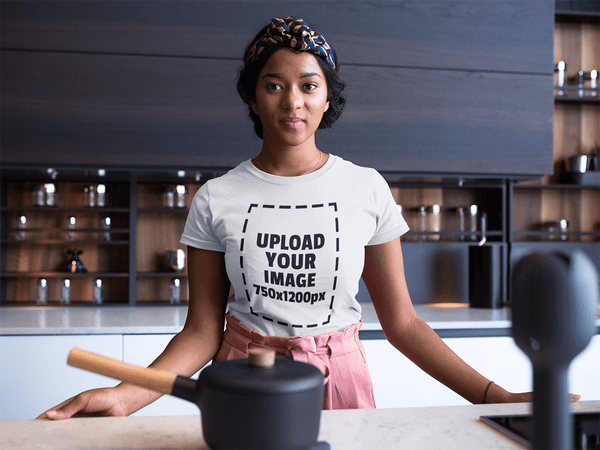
x: 302, y: 75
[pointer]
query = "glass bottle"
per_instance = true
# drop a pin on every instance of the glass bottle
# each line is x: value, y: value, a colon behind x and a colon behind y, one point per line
x: 50, y: 193
x: 181, y: 190
x: 422, y: 222
x: 473, y: 222
x: 71, y: 224
x: 175, y: 291
x: 564, y: 228
x: 106, y: 223
x: 89, y: 196
x: 42, y: 291
x: 65, y: 291
x: 435, y: 222
x: 98, y: 287
x: 38, y: 195
x: 101, y: 195
x: 21, y: 225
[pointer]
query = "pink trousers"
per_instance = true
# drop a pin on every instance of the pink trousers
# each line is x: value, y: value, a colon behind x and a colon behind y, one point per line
x: 340, y: 356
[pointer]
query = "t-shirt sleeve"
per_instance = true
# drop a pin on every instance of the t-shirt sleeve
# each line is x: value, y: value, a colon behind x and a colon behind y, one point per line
x: 389, y: 221
x: 198, y: 231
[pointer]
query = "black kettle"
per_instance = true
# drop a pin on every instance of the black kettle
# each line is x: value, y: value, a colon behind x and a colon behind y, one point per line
x: 261, y: 402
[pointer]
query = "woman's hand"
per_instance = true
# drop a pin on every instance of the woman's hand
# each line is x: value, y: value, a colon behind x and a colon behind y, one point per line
x: 96, y: 402
x: 525, y: 397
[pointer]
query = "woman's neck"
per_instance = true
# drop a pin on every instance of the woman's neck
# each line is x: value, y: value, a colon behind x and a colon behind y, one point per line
x: 290, y: 162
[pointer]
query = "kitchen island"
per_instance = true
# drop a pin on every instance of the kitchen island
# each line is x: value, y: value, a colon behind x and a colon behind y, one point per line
x: 35, y: 341
x: 450, y: 427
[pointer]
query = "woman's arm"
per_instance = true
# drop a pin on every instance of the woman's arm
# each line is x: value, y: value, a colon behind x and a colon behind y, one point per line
x: 192, y: 348
x: 384, y: 277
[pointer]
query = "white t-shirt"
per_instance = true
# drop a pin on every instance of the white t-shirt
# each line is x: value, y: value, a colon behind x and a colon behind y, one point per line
x: 294, y: 246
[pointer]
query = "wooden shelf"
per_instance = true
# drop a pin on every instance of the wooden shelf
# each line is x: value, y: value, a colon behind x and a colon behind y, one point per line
x: 64, y: 275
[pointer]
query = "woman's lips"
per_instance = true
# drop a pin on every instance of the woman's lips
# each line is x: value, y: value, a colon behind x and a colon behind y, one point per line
x: 293, y: 122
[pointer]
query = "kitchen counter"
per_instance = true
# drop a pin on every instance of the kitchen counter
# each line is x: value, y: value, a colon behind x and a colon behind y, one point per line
x: 453, y: 427
x: 71, y: 320
x: 448, y: 320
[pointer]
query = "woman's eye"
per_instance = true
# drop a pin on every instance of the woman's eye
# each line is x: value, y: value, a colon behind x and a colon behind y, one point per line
x: 310, y: 86
x: 273, y: 87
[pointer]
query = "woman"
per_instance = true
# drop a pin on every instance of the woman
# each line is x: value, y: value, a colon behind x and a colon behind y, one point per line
x: 293, y: 230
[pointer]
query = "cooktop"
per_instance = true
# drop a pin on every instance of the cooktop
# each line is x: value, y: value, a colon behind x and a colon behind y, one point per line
x: 586, y: 432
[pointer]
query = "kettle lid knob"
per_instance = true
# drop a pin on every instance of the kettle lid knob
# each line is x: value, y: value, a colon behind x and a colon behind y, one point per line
x: 263, y: 358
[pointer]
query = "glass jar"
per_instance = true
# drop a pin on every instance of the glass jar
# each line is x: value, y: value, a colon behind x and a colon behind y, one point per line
x: 38, y: 195
x: 98, y: 288
x: 473, y: 219
x: 89, y: 196
x: 181, y: 191
x: 101, y: 195
x: 434, y: 220
x: 175, y: 291
x: 71, y: 225
x: 553, y: 228
x: 106, y: 224
x: 50, y: 194
x: 422, y: 222
x: 42, y: 291
x: 65, y: 291
x: 169, y: 197
x: 21, y: 226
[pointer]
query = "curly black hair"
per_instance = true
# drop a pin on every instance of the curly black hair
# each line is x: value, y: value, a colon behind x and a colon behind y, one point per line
x: 248, y: 77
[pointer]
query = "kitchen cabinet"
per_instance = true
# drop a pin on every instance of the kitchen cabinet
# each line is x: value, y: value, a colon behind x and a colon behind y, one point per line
x: 129, y: 256
x: 141, y: 350
x: 40, y: 228
x: 399, y: 383
x: 538, y: 206
x: 34, y: 375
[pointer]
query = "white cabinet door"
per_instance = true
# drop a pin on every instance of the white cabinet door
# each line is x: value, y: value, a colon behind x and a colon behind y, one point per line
x: 141, y: 350
x: 584, y: 373
x: 399, y: 383
x: 34, y: 375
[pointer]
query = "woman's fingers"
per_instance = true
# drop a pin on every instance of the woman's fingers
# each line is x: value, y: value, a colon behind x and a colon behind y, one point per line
x: 97, y: 402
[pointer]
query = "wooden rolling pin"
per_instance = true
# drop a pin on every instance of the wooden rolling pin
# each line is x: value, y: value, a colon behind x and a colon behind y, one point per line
x: 155, y: 379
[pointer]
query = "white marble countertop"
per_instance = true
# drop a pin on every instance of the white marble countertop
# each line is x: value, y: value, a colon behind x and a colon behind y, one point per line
x: 449, y: 428
x: 76, y: 320
x: 56, y: 320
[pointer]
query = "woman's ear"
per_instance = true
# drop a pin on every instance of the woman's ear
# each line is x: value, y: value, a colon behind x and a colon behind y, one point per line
x: 254, y: 108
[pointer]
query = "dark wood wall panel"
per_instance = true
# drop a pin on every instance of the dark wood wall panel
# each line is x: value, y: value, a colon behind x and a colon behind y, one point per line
x: 505, y: 35
x: 437, y: 87
x: 202, y: 121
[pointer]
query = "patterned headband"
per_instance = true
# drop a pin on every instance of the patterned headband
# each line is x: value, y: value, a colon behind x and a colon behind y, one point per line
x: 297, y: 35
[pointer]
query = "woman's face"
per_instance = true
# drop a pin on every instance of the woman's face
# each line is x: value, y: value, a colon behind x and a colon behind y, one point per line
x: 291, y: 97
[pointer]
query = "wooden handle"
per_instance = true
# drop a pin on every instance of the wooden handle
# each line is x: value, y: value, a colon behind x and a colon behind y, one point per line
x: 155, y: 379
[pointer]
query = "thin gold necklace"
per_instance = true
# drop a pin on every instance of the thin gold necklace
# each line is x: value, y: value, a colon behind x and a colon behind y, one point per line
x: 305, y: 173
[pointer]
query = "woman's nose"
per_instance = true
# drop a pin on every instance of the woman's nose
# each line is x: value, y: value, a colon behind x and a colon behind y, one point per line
x: 292, y: 100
